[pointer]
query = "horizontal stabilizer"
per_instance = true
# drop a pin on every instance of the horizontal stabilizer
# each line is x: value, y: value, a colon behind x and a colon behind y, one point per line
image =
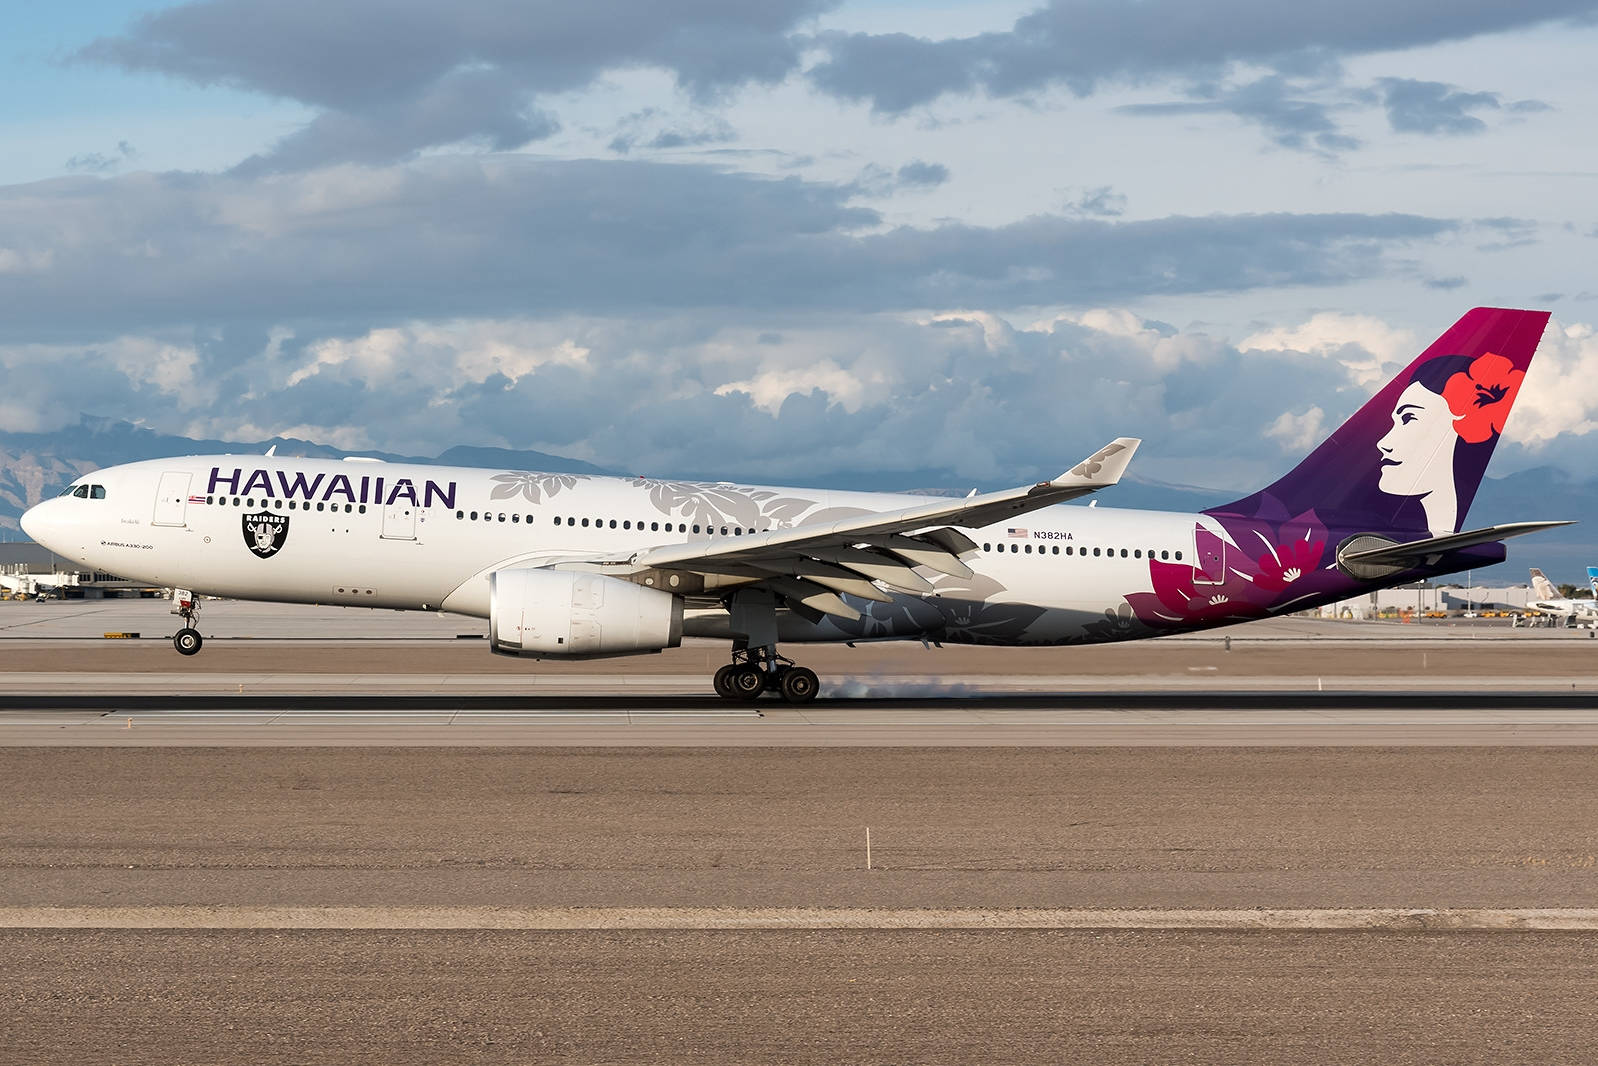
x: 1415, y: 550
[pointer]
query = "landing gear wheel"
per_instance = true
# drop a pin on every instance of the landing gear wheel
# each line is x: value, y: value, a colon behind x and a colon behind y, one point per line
x: 799, y: 684
x: 723, y: 682
x: 747, y: 682
x: 188, y: 641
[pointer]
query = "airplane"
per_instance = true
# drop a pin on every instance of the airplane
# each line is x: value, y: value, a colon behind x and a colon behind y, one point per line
x: 572, y: 566
x: 1549, y: 602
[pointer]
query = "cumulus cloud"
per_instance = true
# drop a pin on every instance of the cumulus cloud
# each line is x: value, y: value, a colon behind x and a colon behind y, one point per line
x: 1277, y: 105
x: 453, y: 236
x: 394, y: 76
x: 652, y: 128
x: 1433, y: 107
x: 956, y: 397
x: 920, y: 174
x: 102, y: 162
x: 1082, y: 44
x: 1560, y: 396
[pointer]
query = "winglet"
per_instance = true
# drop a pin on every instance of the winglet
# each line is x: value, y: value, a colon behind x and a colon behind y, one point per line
x: 1103, y: 468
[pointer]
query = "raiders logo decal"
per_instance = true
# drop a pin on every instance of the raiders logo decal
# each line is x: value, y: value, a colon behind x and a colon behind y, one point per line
x: 265, y: 532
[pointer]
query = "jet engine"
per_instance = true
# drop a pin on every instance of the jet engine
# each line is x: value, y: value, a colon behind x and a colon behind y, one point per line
x: 565, y: 614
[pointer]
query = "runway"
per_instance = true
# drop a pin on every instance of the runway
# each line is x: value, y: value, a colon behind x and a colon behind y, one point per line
x: 1172, y: 717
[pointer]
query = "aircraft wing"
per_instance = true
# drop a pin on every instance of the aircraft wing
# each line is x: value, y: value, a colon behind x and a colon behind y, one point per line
x: 810, y: 565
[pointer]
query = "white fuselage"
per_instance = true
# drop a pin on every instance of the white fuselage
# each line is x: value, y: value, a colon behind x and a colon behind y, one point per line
x: 413, y: 537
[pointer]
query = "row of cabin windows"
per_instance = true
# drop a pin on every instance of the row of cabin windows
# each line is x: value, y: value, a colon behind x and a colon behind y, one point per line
x: 603, y: 523
x: 293, y: 505
x: 654, y: 527
x: 488, y: 516
x: 1054, y: 549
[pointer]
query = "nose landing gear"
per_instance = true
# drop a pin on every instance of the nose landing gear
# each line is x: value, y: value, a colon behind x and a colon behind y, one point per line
x: 754, y: 672
x: 186, y: 640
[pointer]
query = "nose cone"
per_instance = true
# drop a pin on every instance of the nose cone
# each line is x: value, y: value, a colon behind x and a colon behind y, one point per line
x: 37, y: 523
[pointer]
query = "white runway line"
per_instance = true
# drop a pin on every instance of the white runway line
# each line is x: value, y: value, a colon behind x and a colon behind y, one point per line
x: 1378, y: 919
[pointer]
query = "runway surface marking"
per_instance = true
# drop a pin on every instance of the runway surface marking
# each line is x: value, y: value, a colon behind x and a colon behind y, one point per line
x: 1387, y: 919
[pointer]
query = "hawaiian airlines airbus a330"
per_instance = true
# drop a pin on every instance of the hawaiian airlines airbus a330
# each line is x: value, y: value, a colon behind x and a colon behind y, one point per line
x: 567, y: 566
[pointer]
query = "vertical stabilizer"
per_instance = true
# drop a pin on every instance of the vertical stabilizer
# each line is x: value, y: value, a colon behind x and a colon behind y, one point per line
x: 1411, y: 459
x: 1542, y: 586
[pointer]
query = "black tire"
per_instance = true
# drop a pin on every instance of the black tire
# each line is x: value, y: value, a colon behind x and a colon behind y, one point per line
x: 747, y: 682
x: 800, y: 685
x: 188, y: 641
x: 723, y: 682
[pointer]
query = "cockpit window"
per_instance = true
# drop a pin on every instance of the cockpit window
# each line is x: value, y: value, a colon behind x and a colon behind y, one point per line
x: 81, y: 492
x: 96, y: 492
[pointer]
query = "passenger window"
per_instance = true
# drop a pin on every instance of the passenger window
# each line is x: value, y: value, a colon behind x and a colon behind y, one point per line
x: 696, y: 527
x: 1095, y: 553
x: 474, y: 516
x: 1178, y: 556
x: 250, y: 504
x: 1029, y: 549
x: 585, y: 523
x: 1056, y: 549
x: 515, y: 518
x: 502, y: 516
x: 987, y: 547
x: 460, y: 514
x: 209, y: 500
x: 1165, y: 555
x: 654, y: 527
x: 348, y: 508
x: 321, y: 506
x: 1137, y: 553
x: 1123, y: 553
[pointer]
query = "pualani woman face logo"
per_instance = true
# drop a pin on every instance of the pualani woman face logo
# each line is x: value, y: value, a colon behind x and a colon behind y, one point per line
x: 1451, y: 402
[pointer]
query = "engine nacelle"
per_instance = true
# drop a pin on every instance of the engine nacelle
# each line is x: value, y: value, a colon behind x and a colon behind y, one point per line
x: 566, y: 614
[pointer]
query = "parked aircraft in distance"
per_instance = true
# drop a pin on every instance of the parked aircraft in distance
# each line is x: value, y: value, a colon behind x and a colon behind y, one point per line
x: 1546, y: 599
x: 570, y: 566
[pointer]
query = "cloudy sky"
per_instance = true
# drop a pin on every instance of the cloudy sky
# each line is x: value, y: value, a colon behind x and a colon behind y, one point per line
x: 779, y: 240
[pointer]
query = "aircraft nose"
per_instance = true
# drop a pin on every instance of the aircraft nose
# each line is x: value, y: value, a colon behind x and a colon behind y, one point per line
x: 37, y: 522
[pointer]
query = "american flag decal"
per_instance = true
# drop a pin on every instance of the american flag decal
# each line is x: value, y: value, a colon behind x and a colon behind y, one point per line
x: 1018, y: 534
x: 196, y: 499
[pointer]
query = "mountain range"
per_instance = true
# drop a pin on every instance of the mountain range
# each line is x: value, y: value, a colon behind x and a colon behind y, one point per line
x: 34, y: 465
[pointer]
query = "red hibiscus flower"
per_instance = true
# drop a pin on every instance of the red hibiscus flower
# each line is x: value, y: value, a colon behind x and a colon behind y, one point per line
x: 1289, y: 563
x: 1481, y: 396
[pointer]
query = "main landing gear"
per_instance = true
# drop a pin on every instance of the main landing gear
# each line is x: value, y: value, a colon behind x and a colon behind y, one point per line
x: 186, y: 640
x: 755, y: 672
x: 756, y: 668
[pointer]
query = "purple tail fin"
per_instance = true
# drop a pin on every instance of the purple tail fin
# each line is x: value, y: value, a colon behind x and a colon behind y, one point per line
x: 1412, y: 458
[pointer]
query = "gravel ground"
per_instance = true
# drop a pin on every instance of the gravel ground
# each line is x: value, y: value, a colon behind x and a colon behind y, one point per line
x: 1020, y: 827
x: 1033, y: 827
x: 780, y: 997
